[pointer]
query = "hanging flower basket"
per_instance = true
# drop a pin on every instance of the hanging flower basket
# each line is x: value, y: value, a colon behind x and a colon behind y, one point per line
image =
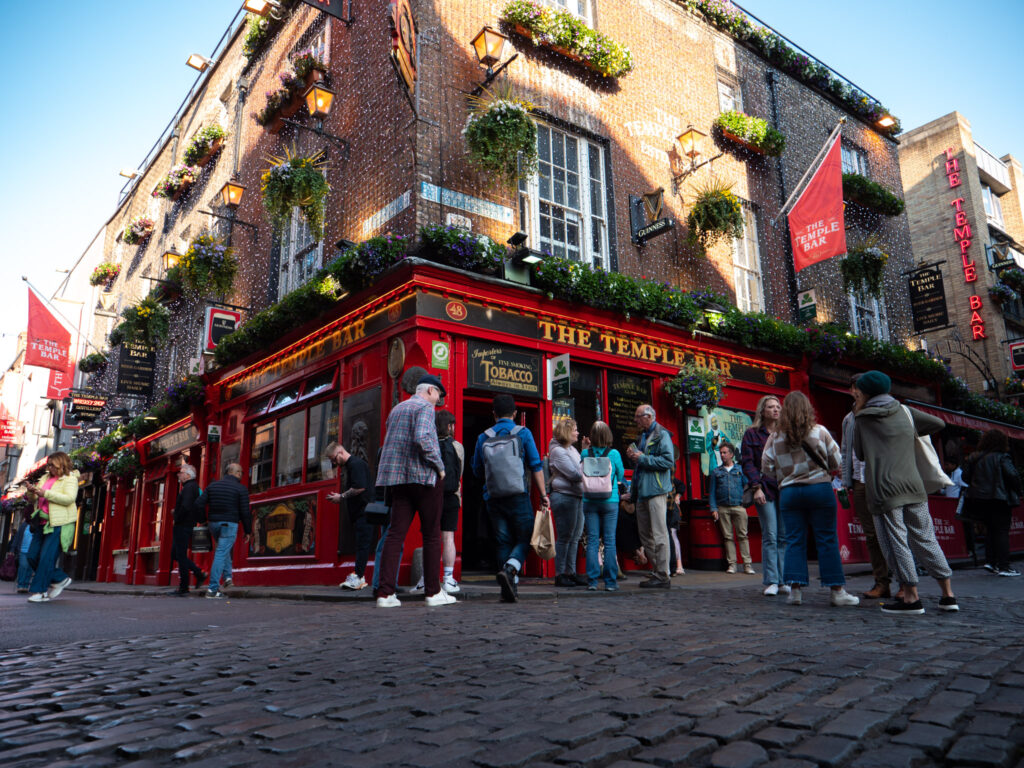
x: 716, y: 214
x: 753, y: 133
x: 204, y: 146
x: 176, y: 183
x: 124, y: 464
x: 138, y: 229
x: 105, y: 274
x: 863, y: 269
x: 168, y: 291
x: 693, y: 387
x: 208, y: 266
x: 1000, y: 293
x: 296, y: 181
x: 148, y: 322
x: 502, y: 137
x: 1013, y: 277
x: 93, y: 363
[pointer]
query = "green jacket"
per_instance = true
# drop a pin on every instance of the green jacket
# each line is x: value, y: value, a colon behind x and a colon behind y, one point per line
x: 653, y: 473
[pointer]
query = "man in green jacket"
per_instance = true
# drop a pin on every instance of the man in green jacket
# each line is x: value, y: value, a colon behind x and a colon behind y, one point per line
x: 652, y: 482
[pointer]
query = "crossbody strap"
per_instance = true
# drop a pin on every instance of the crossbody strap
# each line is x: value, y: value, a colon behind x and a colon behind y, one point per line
x: 814, y: 456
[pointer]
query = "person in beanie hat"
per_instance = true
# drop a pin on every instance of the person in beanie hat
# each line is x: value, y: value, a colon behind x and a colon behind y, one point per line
x: 883, y: 438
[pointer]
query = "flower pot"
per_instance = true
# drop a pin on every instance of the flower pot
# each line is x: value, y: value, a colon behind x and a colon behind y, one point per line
x: 742, y: 142
x: 313, y: 76
x: 567, y: 53
x: 181, y: 190
x: 521, y: 30
x: 213, y: 150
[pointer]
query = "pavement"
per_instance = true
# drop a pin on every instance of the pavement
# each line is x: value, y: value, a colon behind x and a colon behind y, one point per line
x: 707, y: 674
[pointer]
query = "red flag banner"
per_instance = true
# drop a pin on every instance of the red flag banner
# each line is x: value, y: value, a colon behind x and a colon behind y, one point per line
x: 816, y: 224
x: 60, y: 383
x: 48, y: 340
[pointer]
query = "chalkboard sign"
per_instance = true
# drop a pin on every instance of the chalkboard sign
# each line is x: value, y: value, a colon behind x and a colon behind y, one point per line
x: 928, y: 299
x: 625, y: 394
x: 135, y: 369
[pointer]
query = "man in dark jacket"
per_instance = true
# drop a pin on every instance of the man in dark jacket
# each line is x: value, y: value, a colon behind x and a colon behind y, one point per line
x: 228, y: 503
x: 186, y: 514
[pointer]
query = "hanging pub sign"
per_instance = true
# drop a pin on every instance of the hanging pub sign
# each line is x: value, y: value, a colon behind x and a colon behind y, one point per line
x: 645, y: 219
x: 403, y: 42
x: 219, y: 323
x: 928, y: 299
x: 85, y: 408
x: 558, y: 376
x: 1017, y: 356
x: 339, y: 9
x: 135, y: 368
x: 504, y: 369
x: 8, y: 431
x: 807, y: 306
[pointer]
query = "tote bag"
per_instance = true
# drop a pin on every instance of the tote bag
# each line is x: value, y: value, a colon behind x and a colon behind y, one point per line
x: 928, y: 466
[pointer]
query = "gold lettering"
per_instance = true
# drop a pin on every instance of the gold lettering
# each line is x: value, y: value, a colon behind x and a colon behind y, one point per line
x: 608, y: 339
x: 546, y: 329
x: 725, y: 367
x: 700, y: 361
x: 564, y: 334
x: 638, y: 349
x: 584, y: 337
x: 678, y: 356
x: 623, y: 345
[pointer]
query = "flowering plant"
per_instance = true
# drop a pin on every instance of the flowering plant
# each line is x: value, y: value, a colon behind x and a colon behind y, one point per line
x: 105, y: 273
x: 502, y: 137
x: 148, y: 322
x: 1013, y: 385
x: 296, y: 181
x: 871, y: 195
x: 175, y: 182
x: 1013, y: 277
x: 695, y: 386
x: 1001, y: 293
x: 187, y: 392
x: 257, y: 30
x: 561, y: 29
x: 124, y: 464
x: 462, y: 249
x: 716, y: 214
x: 97, y: 361
x: 753, y: 131
x: 201, y: 144
x: 207, y: 266
x: 863, y: 270
x: 305, y: 62
x: 138, y: 229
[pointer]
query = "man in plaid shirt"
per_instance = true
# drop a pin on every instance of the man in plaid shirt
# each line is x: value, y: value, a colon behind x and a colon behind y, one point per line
x: 412, y: 468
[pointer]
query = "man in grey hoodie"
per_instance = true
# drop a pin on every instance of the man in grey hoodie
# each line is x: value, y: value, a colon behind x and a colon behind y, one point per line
x: 883, y: 437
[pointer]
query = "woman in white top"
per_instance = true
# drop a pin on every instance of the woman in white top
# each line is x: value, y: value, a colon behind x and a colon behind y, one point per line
x: 801, y: 455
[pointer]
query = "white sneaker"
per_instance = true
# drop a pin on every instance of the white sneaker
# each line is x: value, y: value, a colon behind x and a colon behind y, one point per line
x: 418, y: 589
x: 840, y: 597
x: 391, y: 601
x: 38, y: 597
x: 353, y: 582
x: 450, y: 585
x: 441, y: 598
x: 731, y: 569
x: 783, y: 589
x: 795, y: 598
x: 55, y: 589
x: 771, y: 590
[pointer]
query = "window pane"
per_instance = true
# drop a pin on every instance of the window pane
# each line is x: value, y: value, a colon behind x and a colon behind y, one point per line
x: 319, y: 383
x: 594, y: 155
x: 572, y: 151
x: 290, y: 441
x: 261, y: 459
x: 259, y: 406
x: 557, y: 149
x: 323, y: 429
x: 544, y: 181
x: 596, y: 203
x: 286, y: 397
x: 544, y: 143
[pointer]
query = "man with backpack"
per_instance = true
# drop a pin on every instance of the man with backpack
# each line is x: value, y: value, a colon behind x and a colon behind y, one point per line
x: 651, y: 485
x: 505, y: 456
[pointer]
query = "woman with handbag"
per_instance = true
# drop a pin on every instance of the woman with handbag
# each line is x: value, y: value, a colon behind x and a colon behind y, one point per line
x: 764, y: 493
x: 884, y: 438
x: 566, y: 501
x: 801, y: 455
x: 602, y: 515
x: 993, y: 489
x: 55, y: 494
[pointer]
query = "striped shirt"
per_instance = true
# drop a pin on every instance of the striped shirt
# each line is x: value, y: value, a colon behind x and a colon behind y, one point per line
x: 792, y: 466
x: 411, y: 453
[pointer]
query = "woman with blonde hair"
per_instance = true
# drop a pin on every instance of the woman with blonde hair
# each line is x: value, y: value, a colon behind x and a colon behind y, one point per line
x: 801, y: 455
x: 566, y: 489
x: 54, y: 494
x: 766, y: 493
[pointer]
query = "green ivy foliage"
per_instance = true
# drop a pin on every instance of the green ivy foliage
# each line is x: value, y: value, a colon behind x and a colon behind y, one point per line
x: 871, y: 195
x: 754, y: 131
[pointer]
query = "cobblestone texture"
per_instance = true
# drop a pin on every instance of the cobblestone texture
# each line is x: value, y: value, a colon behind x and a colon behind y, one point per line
x: 695, y: 678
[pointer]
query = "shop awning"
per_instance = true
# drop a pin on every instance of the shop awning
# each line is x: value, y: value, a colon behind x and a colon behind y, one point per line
x: 961, y: 419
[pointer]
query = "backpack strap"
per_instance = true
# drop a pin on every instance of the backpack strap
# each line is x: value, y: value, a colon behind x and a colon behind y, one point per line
x: 490, y: 432
x: 515, y: 429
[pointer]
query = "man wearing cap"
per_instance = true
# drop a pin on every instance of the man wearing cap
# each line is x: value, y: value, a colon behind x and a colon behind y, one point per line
x: 412, y: 468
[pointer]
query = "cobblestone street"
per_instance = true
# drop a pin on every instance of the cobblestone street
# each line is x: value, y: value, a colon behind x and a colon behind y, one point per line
x: 698, y: 676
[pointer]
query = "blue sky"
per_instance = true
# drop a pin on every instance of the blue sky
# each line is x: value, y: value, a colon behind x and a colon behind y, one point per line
x: 90, y: 86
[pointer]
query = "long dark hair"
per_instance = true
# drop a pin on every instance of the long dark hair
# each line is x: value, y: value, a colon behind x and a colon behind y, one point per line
x: 994, y: 441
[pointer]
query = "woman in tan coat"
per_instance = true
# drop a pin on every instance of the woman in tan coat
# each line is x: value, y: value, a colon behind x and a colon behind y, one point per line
x: 55, y: 494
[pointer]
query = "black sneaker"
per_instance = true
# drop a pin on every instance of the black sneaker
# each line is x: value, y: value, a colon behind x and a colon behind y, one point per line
x: 948, y: 604
x: 506, y: 578
x: 655, y: 584
x: 202, y: 577
x: 581, y: 581
x: 898, y: 607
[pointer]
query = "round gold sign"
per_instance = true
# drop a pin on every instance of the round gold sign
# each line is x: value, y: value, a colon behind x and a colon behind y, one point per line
x: 396, y: 358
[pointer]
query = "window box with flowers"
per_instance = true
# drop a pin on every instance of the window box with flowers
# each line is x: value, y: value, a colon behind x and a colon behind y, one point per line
x: 204, y: 146
x: 124, y: 464
x: 1000, y: 293
x: 871, y: 195
x: 295, y: 181
x: 93, y: 363
x: 176, y: 183
x: 694, y: 387
x: 286, y: 100
x: 502, y: 137
x: 753, y: 133
x: 863, y: 269
x: 208, y: 266
x: 138, y: 230
x: 105, y: 274
x: 462, y: 249
x: 566, y: 34
x: 308, y: 67
x: 716, y: 214
x: 148, y: 322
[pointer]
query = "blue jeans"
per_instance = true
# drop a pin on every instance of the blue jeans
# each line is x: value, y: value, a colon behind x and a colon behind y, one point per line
x: 773, y: 542
x: 225, y: 534
x: 24, y: 570
x: 513, y: 528
x: 814, y: 504
x: 42, y: 558
x: 567, y: 513
x: 602, y: 517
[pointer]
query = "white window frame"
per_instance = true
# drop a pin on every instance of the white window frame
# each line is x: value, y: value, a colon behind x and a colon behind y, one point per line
x: 730, y: 97
x: 862, y: 303
x: 854, y: 159
x: 746, y: 262
x: 541, y: 217
x: 993, y: 207
x: 580, y: 8
x: 300, y: 258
